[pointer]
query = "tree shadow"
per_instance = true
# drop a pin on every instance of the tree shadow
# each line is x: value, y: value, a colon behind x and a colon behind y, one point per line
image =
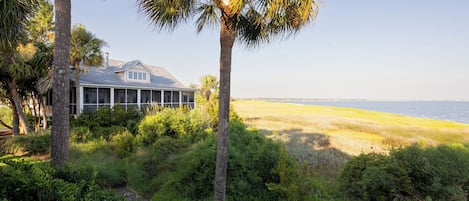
x: 312, y: 149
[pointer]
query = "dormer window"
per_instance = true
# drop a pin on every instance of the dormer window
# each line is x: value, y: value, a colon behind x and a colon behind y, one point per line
x: 137, y: 76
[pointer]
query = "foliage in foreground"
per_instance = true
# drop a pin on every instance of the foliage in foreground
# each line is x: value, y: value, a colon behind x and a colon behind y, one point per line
x: 258, y: 169
x: 102, y: 123
x: 172, y: 157
x: 39, y: 181
x: 31, y: 144
x: 411, y: 173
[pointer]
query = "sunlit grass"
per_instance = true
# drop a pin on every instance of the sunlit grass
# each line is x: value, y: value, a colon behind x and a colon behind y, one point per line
x: 352, y: 131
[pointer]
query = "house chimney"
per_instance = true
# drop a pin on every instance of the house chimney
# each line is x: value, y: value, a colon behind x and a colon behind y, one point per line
x: 106, y: 59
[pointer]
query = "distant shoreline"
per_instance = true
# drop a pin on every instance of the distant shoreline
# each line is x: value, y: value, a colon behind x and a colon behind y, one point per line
x: 346, y: 99
x: 456, y: 111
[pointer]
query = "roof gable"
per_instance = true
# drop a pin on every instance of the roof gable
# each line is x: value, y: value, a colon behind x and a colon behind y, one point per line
x: 134, y: 64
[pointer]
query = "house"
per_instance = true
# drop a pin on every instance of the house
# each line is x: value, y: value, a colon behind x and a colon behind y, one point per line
x: 129, y: 84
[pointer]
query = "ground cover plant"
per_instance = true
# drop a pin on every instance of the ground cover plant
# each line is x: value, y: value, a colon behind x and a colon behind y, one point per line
x: 37, y: 180
x: 411, y: 173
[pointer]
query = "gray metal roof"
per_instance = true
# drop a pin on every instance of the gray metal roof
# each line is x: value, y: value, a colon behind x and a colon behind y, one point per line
x: 160, y: 78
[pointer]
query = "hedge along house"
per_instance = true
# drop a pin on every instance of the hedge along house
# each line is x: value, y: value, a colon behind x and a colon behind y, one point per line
x: 129, y: 84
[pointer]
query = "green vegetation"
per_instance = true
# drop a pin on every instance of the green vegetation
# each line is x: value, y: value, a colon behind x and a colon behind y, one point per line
x: 5, y: 116
x: 33, y: 144
x: 36, y: 180
x: 169, y: 155
x: 411, y: 173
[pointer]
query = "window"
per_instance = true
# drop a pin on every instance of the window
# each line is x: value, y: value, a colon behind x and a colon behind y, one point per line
x: 137, y: 76
x: 131, y: 96
x: 188, y: 99
x: 90, y: 95
x: 140, y: 76
x: 95, y: 97
x: 119, y: 96
x: 104, y: 96
x: 156, y: 97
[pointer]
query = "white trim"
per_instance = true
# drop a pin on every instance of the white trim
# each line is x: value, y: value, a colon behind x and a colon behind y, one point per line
x: 111, y: 101
x: 136, y: 87
x: 139, y: 102
x: 162, y: 98
x: 180, y: 98
x: 80, y: 109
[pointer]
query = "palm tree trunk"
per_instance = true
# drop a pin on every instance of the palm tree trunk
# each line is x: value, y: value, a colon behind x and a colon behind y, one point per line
x: 42, y: 111
x: 61, y: 87
x: 15, y: 122
x: 227, y: 38
x: 16, y: 102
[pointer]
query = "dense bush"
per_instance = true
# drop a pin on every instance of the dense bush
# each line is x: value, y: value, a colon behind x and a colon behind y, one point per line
x: 411, y: 173
x: 27, y: 144
x: 253, y: 163
x: 175, y: 123
x: 124, y: 143
x: 106, y: 117
x: 39, y: 181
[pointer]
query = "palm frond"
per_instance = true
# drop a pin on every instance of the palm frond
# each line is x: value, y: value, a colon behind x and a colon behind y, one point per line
x: 166, y: 14
x: 266, y: 20
x: 209, y: 15
x: 14, y: 17
x: 85, y: 47
x: 44, y: 84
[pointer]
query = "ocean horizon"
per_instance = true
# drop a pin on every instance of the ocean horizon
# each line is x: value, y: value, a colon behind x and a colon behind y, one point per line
x: 456, y: 111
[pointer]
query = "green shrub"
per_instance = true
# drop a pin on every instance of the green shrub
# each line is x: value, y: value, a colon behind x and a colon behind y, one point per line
x: 39, y: 181
x: 107, y: 133
x: 124, y: 143
x: 106, y: 118
x: 411, y: 173
x: 174, y: 123
x: 102, y: 157
x: 80, y: 134
x: 252, y: 164
x: 28, y: 144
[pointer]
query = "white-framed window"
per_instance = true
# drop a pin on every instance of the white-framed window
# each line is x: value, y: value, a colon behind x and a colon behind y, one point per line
x: 137, y: 76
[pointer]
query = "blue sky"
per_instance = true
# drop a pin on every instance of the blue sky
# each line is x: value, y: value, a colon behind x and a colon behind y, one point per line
x: 364, y: 49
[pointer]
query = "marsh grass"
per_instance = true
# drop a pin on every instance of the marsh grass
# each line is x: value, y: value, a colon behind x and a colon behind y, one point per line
x: 327, y: 136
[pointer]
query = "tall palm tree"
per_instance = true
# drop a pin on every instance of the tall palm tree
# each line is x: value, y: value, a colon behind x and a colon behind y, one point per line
x: 250, y: 22
x: 85, y: 48
x: 14, y: 17
x: 61, y: 87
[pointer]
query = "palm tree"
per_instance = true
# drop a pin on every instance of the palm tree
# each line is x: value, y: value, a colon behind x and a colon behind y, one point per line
x: 250, y: 22
x: 61, y: 87
x: 41, y: 26
x: 14, y: 17
x: 208, y: 85
x: 86, y: 49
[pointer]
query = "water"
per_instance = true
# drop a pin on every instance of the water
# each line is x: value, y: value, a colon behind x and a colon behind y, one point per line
x: 457, y: 111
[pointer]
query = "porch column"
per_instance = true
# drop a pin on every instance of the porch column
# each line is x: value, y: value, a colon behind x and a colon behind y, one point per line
x: 111, y: 102
x: 80, y: 104
x: 138, y: 99
x: 180, y: 98
x: 162, y: 98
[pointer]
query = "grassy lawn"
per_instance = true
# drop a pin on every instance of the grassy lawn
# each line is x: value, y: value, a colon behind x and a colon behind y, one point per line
x: 315, y: 132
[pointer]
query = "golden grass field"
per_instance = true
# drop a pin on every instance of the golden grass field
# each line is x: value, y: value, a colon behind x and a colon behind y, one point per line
x: 316, y: 132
